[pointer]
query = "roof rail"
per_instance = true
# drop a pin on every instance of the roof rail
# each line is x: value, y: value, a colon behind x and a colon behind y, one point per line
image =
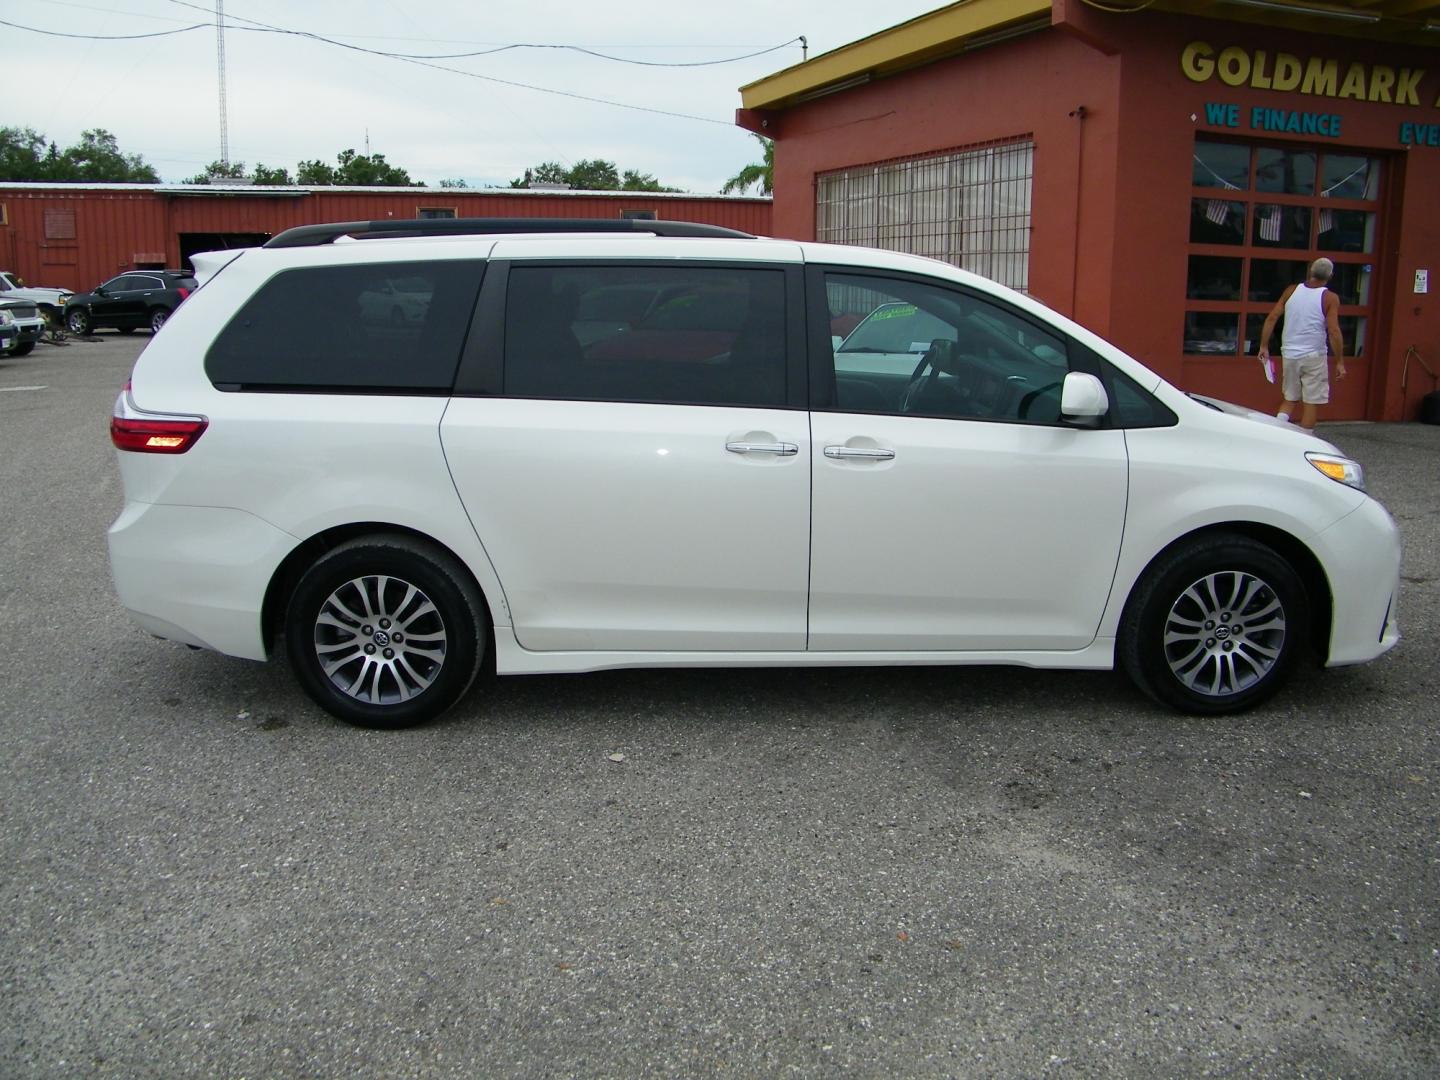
x: 315, y: 235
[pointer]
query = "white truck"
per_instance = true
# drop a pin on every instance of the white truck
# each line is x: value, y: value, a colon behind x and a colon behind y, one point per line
x: 49, y: 304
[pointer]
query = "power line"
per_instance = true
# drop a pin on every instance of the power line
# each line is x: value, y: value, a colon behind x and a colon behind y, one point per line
x: 497, y: 48
x: 421, y: 60
x: 261, y: 28
x: 108, y: 37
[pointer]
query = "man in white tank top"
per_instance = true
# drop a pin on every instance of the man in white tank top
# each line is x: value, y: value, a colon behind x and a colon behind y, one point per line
x: 1312, y: 320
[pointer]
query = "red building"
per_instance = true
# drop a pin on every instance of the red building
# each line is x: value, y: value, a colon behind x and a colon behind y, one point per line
x: 1159, y: 174
x: 77, y: 235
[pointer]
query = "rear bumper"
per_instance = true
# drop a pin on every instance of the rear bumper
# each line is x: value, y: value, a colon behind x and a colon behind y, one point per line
x: 1361, y: 555
x: 197, y: 574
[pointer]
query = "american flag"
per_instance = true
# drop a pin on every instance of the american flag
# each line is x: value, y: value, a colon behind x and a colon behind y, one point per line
x: 1218, y: 211
x: 1270, y: 223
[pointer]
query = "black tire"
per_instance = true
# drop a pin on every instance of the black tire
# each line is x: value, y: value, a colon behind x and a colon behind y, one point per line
x: 78, y: 321
x: 158, y: 318
x: 370, y: 578
x: 1179, y: 640
x: 25, y: 348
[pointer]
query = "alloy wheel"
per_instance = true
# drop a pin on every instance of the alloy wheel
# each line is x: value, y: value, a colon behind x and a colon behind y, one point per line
x: 1224, y: 633
x: 380, y: 639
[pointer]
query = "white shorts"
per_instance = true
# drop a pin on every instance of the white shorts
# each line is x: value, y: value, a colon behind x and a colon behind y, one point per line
x: 1306, y: 378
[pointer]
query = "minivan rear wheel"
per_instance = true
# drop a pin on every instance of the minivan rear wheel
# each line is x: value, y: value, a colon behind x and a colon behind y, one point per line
x: 1215, y: 625
x: 385, y: 631
x: 158, y: 318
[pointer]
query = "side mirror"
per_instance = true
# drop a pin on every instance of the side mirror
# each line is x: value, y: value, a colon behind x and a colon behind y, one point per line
x: 1083, y: 400
x: 100, y: 290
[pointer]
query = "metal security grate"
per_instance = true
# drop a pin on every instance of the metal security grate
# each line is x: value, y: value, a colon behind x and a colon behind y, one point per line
x: 969, y: 207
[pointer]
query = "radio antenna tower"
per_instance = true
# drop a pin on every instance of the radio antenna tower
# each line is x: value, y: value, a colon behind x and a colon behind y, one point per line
x: 220, y: 54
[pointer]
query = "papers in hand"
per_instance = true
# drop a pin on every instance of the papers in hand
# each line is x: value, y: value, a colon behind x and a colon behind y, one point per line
x: 1269, y: 366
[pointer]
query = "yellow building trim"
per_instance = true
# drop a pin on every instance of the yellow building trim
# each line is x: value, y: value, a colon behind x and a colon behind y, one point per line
x: 910, y: 44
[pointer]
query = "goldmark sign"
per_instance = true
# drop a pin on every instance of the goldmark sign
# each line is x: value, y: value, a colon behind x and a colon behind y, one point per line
x: 1235, y: 66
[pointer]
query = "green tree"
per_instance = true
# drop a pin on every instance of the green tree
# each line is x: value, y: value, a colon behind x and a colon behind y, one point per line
x: 761, y: 172
x: 370, y: 170
x: 271, y: 177
x: 26, y: 155
x: 632, y: 180
x: 23, y: 154
x: 315, y: 173
x: 547, y: 172
x: 594, y: 174
x: 353, y: 170
x: 97, y: 158
x: 219, y: 170
x: 453, y: 182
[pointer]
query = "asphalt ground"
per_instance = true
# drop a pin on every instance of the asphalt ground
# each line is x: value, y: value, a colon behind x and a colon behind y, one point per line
x: 882, y: 873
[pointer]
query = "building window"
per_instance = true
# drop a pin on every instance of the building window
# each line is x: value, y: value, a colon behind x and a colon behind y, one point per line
x: 969, y: 207
x: 1259, y: 215
x: 435, y: 212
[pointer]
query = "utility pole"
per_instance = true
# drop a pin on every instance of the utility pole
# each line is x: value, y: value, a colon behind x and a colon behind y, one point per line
x: 220, y: 54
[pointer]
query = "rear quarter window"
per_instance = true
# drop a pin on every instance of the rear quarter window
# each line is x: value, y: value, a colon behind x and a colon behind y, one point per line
x: 389, y: 327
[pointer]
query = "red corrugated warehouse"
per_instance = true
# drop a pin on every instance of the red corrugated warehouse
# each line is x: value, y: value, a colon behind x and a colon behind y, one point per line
x: 77, y: 235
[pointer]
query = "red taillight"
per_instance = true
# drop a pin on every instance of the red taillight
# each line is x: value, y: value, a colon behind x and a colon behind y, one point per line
x: 155, y: 436
x: 184, y: 292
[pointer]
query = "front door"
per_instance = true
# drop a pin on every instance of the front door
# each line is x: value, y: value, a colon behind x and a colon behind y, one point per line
x: 953, y: 511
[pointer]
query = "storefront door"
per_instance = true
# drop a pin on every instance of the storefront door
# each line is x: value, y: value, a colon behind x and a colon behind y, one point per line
x: 1259, y: 214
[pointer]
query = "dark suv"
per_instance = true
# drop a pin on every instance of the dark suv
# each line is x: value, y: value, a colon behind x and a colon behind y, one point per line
x: 132, y: 300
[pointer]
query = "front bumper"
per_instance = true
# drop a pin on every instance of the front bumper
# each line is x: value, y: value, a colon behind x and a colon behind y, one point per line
x: 197, y: 574
x: 1361, y: 556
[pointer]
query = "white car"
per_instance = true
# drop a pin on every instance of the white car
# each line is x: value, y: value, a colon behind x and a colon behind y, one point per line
x: 626, y: 444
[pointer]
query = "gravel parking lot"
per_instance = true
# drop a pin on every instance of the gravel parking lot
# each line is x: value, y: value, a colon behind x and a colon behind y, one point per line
x: 900, y: 872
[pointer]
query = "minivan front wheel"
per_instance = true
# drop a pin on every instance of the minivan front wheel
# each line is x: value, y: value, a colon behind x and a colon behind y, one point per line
x: 385, y: 632
x: 1215, y: 626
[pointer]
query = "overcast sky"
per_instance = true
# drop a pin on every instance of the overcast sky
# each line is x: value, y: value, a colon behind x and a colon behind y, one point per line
x: 291, y: 98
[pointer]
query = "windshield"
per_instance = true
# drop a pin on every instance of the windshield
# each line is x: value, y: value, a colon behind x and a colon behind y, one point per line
x: 897, y: 328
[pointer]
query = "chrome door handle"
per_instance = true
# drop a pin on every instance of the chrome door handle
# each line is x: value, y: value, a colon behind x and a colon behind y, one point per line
x: 783, y: 449
x: 865, y: 452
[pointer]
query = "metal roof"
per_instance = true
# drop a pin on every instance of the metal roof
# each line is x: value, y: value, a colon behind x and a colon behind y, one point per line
x: 294, y: 191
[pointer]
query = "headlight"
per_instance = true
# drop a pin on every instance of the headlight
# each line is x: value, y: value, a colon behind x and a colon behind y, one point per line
x: 5, y: 318
x: 1342, y: 470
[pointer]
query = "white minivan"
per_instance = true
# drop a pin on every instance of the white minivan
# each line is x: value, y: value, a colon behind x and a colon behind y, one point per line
x: 605, y: 444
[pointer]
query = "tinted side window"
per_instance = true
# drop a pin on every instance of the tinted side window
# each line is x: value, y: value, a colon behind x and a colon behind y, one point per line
x: 687, y: 335
x: 143, y: 283
x: 396, y: 327
x: 916, y: 348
